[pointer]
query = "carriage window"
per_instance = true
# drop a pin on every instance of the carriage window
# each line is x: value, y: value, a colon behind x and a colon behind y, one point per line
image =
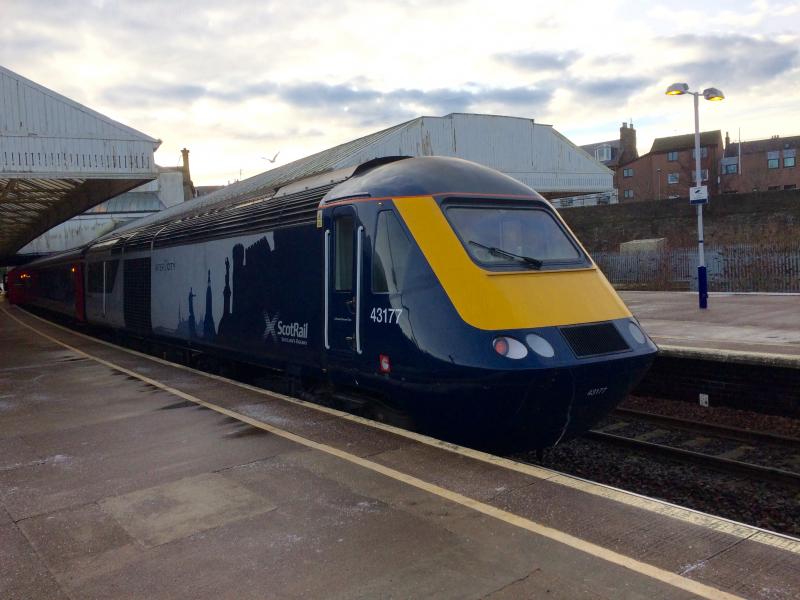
x: 95, y: 277
x: 343, y: 248
x: 507, y: 237
x: 390, y: 255
x: 111, y: 274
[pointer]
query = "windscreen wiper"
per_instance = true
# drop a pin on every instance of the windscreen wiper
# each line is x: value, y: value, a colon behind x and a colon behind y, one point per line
x: 528, y: 260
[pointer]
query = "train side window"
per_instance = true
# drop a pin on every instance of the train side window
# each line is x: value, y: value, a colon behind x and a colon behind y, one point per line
x: 95, y: 277
x: 343, y: 233
x: 111, y: 274
x: 390, y: 255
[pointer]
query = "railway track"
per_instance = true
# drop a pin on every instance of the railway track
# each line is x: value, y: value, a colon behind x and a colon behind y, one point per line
x: 757, y: 456
x: 735, y: 433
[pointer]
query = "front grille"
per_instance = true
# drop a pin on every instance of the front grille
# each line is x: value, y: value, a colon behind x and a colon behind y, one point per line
x: 595, y: 339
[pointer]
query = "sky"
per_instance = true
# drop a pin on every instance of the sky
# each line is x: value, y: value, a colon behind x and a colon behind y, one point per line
x: 237, y: 84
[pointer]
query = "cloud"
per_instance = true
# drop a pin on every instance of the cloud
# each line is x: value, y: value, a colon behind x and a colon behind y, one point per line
x: 612, y: 89
x: 318, y: 95
x: 292, y: 133
x: 732, y: 60
x: 154, y: 94
x: 540, y: 61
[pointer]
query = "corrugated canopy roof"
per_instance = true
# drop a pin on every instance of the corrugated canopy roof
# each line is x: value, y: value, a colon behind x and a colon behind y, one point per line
x: 267, y: 183
x: 486, y: 139
x: 58, y: 159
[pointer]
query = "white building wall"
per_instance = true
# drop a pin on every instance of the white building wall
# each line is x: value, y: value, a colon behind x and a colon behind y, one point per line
x: 534, y: 154
x: 170, y: 188
x: 44, y: 134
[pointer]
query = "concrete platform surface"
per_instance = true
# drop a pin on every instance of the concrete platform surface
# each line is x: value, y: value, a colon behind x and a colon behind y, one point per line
x: 759, y: 325
x: 123, y: 476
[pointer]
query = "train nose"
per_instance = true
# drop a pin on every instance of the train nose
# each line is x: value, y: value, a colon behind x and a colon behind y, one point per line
x: 567, y: 402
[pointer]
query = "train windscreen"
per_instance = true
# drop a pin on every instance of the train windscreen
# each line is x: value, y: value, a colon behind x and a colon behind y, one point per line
x: 514, y: 237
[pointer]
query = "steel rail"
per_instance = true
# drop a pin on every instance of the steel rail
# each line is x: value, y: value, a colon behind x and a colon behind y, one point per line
x: 726, y: 465
x: 735, y: 433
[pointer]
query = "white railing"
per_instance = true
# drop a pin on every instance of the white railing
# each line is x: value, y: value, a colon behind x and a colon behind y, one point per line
x: 742, y: 268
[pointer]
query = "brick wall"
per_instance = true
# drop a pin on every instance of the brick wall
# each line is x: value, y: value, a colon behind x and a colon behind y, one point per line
x: 727, y: 384
x: 753, y: 218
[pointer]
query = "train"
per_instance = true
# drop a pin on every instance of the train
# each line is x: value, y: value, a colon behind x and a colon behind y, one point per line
x: 433, y: 287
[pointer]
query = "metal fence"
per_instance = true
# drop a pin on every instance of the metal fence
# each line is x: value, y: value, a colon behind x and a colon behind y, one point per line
x: 744, y: 268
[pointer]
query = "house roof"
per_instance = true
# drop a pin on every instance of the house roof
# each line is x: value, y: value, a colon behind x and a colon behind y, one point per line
x: 590, y: 149
x: 761, y: 146
x: 686, y: 141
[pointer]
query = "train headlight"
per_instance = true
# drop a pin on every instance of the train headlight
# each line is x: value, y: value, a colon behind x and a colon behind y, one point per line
x: 636, y: 333
x: 509, y: 347
x: 540, y: 345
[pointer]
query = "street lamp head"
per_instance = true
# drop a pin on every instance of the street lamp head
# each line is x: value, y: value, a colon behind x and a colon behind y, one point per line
x: 676, y: 89
x: 713, y: 94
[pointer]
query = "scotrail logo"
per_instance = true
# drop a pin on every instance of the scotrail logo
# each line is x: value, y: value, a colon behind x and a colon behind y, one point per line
x: 290, y: 333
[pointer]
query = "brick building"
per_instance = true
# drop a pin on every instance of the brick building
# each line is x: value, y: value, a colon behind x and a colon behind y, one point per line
x: 615, y: 152
x: 668, y: 169
x: 767, y: 165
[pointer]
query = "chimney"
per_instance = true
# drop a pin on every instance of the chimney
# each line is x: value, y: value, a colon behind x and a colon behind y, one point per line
x: 627, y: 144
x: 188, y: 186
x: 727, y: 140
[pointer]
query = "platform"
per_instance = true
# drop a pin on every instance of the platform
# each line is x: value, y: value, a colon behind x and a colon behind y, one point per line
x: 750, y: 328
x: 123, y: 476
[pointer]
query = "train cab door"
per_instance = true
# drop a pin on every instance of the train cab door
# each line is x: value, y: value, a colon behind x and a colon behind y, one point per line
x: 344, y: 239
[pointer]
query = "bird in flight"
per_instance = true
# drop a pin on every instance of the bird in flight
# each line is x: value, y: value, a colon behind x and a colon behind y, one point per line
x: 272, y: 160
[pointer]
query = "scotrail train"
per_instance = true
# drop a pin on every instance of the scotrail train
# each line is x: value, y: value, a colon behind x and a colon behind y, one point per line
x: 434, y: 286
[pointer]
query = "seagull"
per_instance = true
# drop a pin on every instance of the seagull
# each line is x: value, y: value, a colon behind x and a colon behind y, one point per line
x: 272, y: 160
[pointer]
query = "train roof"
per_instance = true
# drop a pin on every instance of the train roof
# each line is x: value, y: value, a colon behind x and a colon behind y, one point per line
x: 428, y: 176
x: 297, y: 202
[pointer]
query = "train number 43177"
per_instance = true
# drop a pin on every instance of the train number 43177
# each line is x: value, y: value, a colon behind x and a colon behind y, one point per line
x: 385, y: 315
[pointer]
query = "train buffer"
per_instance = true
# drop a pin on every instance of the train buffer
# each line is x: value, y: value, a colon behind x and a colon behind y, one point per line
x: 122, y: 475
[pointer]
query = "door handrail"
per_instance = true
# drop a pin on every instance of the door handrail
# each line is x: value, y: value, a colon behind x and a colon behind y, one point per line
x: 327, y: 283
x: 359, y: 234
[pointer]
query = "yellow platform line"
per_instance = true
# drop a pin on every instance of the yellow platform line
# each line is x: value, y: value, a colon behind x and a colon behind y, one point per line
x: 660, y: 507
x: 668, y: 577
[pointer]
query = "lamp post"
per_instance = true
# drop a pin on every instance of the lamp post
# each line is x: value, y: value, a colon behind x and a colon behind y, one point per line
x: 714, y: 95
x: 658, y: 176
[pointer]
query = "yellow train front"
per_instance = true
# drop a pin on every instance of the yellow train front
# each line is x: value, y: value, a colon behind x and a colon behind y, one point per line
x: 458, y: 295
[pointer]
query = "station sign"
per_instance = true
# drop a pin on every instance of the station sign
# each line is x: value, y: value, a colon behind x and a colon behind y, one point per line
x: 698, y: 195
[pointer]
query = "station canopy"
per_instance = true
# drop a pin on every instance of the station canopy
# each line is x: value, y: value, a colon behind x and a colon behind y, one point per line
x: 59, y: 158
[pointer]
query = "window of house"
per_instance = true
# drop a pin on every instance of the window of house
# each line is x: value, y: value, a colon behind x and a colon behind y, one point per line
x: 673, y: 178
x: 703, y: 175
x: 731, y: 168
x: 390, y: 255
x: 627, y: 172
x: 773, y: 188
x: 627, y: 194
x: 789, y: 157
x: 703, y: 152
x: 790, y: 186
x: 603, y: 153
x: 672, y: 156
x: 773, y: 160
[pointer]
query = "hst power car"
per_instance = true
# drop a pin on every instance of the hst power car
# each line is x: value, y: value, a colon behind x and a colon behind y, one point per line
x: 433, y: 286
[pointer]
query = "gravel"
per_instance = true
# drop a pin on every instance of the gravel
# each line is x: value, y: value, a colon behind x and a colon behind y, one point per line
x: 769, y: 506
x: 720, y: 415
